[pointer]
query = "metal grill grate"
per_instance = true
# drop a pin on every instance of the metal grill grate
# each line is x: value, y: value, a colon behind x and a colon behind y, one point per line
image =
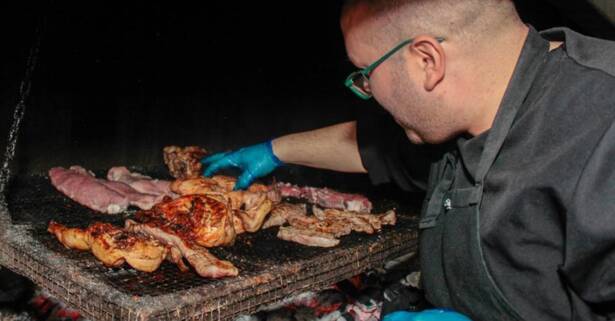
x: 269, y: 268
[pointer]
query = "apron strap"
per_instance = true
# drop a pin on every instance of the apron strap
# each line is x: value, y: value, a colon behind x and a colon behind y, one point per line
x: 535, y: 51
x: 436, y: 202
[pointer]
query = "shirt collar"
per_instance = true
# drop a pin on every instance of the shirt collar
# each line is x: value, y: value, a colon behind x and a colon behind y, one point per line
x: 471, y: 149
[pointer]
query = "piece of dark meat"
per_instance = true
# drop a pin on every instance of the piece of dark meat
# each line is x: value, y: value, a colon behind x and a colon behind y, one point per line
x: 184, y: 162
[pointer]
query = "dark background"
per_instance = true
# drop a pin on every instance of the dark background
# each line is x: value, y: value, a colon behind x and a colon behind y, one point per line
x: 116, y: 82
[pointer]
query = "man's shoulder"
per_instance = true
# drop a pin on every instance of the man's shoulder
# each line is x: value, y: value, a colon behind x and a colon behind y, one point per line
x: 593, y: 53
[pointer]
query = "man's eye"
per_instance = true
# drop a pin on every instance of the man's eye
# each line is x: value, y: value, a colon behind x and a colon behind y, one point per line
x: 366, y: 85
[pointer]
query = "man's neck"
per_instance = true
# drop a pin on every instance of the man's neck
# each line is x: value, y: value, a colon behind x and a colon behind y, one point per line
x: 496, y: 68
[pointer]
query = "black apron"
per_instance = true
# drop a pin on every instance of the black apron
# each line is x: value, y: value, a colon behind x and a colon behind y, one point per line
x: 454, y: 270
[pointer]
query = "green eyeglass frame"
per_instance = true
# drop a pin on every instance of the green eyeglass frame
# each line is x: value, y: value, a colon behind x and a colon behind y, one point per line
x: 358, y: 80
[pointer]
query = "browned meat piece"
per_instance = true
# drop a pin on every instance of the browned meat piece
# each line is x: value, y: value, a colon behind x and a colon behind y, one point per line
x: 331, y: 223
x: 359, y: 222
x: 220, y: 184
x: 112, y: 245
x: 251, y: 206
x: 388, y: 218
x: 184, y: 162
x: 71, y: 238
x: 326, y: 197
x: 204, y: 263
x: 352, y: 220
x: 256, y: 206
x: 200, y: 185
x: 334, y: 227
x: 307, y: 237
x: 204, y: 220
x: 282, y: 211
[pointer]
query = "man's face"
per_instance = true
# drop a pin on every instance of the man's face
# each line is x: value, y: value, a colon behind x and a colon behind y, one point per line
x: 397, y: 83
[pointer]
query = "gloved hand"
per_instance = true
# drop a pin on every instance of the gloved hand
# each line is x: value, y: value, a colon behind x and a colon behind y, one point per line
x: 426, y: 315
x: 254, y: 161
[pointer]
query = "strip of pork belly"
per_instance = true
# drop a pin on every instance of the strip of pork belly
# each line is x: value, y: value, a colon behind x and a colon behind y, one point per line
x: 141, y: 183
x: 100, y: 195
x: 204, y: 263
x: 82, y: 187
x: 326, y: 197
x: 307, y: 237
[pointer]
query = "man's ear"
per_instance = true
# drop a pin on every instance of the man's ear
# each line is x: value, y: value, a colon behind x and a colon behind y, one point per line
x: 432, y: 59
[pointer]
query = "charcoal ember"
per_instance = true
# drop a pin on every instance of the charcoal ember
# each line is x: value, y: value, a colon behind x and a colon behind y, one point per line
x: 328, y: 301
x: 184, y: 163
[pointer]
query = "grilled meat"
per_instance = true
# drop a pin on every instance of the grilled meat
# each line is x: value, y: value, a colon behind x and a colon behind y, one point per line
x: 184, y: 162
x: 334, y: 227
x: 204, y: 220
x: 251, y: 205
x: 325, y: 224
x: 71, y: 238
x: 282, y: 211
x: 203, y: 262
x: 307, y: 237
x: 112, y: 245
x: 220, y: 184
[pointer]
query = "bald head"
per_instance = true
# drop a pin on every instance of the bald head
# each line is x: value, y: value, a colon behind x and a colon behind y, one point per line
x: 395, y: 20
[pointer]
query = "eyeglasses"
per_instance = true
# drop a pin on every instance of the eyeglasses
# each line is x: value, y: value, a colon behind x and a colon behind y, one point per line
x: 358, y: 81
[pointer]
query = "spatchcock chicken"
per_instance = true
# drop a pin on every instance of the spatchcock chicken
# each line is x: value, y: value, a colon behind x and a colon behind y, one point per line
x: 112, y: 245
x: 143, y: 246
x: 249, y: 207
x: 203, y: 219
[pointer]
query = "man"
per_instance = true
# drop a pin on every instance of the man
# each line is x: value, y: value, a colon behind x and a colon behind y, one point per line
x: 517, y: 130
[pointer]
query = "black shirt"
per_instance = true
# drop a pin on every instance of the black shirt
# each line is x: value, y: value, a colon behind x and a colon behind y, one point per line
x: 548, y: 222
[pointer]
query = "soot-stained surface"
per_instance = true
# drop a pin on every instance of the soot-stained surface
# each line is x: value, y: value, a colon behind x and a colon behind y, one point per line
x: 34, y: 201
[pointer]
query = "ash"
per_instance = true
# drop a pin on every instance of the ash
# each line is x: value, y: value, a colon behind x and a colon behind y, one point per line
x: 366, y: 297
x: 15, y: 316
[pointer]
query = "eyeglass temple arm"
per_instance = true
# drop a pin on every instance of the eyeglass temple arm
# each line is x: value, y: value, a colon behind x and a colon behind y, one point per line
x: 367, y: 70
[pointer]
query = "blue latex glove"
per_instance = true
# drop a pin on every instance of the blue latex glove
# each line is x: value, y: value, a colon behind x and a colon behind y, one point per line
x: 427, y: 315
x: 254, y: 161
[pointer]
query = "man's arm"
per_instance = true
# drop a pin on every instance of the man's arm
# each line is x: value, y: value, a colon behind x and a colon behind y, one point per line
x: 334, y: 147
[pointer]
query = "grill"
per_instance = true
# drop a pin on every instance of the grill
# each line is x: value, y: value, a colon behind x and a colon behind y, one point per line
x: 270, y: 269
